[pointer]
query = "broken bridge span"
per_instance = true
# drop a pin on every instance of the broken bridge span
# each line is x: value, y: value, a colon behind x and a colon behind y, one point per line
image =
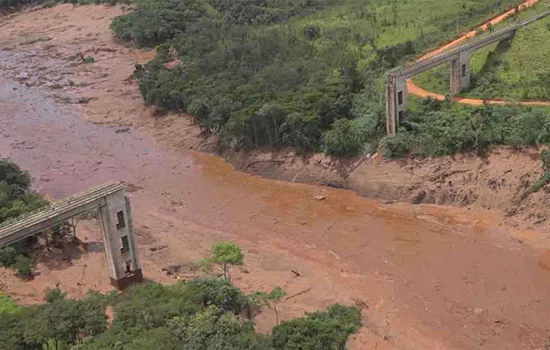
x: 116, y: 223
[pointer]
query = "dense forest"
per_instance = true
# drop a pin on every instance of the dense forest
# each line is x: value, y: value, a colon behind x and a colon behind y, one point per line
x: 278, y: 73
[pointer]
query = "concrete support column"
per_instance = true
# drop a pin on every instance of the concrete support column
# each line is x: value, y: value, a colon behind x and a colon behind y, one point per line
x: 118, y: 237
x: 455, y: 77
x: 465, y: 72
x: 390, y: 106
x: 460, y: 73
x: 396, y: 102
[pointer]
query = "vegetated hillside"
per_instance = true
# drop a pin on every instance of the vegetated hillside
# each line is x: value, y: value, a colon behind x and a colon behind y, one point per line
x: 304, y: 74
x: 516, y: 69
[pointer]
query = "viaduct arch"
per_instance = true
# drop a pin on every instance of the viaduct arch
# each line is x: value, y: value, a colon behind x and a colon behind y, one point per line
x: 459, y: 57
x: 116, y: 226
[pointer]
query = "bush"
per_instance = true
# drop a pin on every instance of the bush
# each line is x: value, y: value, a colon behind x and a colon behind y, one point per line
x: 327, y: 330
x: 343, y: 139
x: 448, y: 129
x: 544, y: 180
x: 7, y: 256
x: 545, y: 158
x: 23, y: 266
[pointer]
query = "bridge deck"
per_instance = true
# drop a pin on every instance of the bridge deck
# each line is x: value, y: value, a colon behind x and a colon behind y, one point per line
x: 428, y: 63
x: 28, y: 224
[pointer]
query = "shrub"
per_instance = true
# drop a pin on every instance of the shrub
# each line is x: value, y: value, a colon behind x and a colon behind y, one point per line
x: 545, y: 158
x: 23, y: 266
x: 327, y: 330
x: 343, y: 139
x: 7, y: 256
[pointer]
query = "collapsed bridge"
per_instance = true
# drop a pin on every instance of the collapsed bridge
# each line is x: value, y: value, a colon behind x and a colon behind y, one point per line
x: 115, y: 214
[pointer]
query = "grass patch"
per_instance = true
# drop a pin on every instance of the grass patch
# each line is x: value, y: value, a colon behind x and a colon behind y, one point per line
x: 7, y: 305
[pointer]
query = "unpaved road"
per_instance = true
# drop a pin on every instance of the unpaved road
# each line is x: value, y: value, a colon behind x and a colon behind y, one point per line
x: 415, y: 90
x: 431, y: 277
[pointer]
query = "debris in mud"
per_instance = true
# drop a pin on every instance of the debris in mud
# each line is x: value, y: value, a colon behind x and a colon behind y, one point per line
x: 419, y: 197
x: 84, y: 100
x: 121, y: 130
x: 307, y: 290
x: 296, y: 273
x: 334, y: 184
x: 319, y: 197
x: 23, y: 76
x: 173, y: 269
x: 130, y: 187
x: 360, y: 303
x: 158, y: 248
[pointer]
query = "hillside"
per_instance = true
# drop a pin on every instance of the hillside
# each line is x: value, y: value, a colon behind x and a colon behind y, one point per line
x: 278, y: 74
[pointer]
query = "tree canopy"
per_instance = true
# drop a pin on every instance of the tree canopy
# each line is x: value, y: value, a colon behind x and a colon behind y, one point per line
x: 197, y: 314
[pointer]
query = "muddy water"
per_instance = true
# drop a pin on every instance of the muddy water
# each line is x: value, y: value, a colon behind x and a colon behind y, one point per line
x: 453, y: 277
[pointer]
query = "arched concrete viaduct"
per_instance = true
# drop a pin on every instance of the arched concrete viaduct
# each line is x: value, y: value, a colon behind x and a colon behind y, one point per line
x: 459, y: 57
x: 116, y: 225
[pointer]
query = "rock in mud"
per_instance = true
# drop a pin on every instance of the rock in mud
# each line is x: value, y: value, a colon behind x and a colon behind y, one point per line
x: 419, y: 197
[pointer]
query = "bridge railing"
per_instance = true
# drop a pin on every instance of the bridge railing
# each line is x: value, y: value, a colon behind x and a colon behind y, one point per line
x: 476, y: 44
x: 55, y: 208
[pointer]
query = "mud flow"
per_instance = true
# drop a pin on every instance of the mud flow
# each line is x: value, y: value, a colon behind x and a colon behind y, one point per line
x: 427, y: 277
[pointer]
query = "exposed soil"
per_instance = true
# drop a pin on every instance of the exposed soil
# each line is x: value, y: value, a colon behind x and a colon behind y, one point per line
x: 428, y: 277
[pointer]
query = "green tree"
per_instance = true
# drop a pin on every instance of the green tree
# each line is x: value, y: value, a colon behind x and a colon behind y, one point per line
x: 271, y: 300
x: 343, y: 139
x: 226, y: 254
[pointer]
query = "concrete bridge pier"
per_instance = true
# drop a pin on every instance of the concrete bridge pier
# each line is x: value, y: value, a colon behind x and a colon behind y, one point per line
x: 397, y: 97
x: 460, y: 72
x: 118, y: 238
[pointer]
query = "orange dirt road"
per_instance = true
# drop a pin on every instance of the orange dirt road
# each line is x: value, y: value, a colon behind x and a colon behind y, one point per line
x: 419, y: 92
